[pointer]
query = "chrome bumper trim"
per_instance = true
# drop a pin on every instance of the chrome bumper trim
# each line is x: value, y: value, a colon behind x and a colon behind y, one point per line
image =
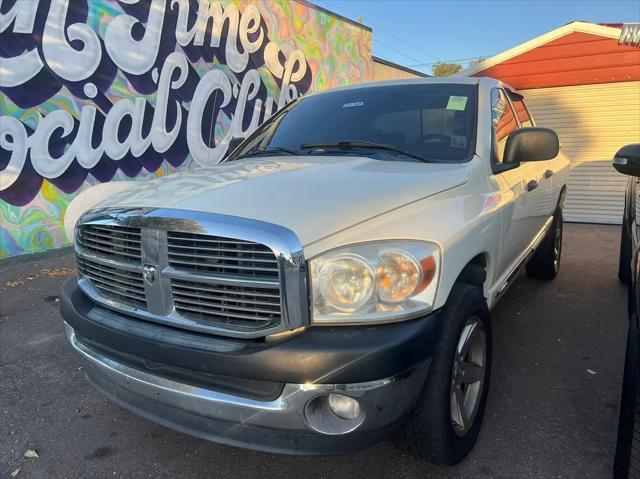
x: 383, y: 402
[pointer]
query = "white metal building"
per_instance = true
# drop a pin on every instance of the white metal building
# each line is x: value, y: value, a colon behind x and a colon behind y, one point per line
x: 579, y: 81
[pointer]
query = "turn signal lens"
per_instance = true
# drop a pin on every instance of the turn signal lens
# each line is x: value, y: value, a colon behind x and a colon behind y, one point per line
x: 399, y: 276
x: 429, y: 268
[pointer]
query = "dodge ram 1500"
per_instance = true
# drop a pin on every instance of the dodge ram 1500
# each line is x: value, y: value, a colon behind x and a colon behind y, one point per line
x: 330, y: 282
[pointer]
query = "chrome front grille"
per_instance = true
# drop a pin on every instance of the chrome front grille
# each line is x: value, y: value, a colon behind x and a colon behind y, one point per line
x: 212, y: 274
x: 210, y: 254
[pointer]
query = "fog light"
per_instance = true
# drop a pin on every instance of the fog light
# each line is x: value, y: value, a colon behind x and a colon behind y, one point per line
x: 344, y: 407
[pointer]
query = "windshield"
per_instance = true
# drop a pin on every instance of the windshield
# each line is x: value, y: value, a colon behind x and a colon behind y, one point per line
x: 429, y: 122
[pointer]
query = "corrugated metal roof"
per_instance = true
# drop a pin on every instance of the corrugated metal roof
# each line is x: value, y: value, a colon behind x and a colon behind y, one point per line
x: 574, y: 59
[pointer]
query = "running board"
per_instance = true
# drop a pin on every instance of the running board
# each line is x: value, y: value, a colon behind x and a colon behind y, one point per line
x: 518, y: 269
x: 516, y: 272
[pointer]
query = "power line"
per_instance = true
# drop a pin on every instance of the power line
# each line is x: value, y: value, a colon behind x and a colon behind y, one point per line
x: 382, y: 57
x: 395, y: 50
x: 418, y: 63
x: 406, y: 42
x: 388, y: 32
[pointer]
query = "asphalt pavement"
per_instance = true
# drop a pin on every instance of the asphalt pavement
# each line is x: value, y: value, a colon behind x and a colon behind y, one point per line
x: 552, y: 411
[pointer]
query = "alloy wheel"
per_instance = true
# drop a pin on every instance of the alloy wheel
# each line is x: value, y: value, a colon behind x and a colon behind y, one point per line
x: 557, y: 247
x: 468, y: 375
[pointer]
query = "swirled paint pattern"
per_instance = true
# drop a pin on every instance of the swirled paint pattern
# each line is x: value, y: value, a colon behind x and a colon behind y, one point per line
x: 90, y: 107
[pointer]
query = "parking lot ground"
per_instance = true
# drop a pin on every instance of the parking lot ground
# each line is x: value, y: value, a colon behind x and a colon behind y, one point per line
x: 552, y: 410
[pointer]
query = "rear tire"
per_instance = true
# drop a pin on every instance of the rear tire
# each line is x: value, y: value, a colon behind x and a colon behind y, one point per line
x: 545, y: 263
x: 444, y: 426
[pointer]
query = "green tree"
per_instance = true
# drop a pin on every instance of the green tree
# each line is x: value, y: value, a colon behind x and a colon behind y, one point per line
x: 444, y: 69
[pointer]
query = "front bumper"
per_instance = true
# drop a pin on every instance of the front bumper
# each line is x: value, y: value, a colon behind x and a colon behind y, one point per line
x: 292, y: 420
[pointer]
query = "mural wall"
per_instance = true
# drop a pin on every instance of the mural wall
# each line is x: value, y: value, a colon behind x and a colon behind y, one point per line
x: 98, y: 91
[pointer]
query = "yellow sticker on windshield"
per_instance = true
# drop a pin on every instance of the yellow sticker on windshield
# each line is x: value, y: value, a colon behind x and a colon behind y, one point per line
x: 457, y: 103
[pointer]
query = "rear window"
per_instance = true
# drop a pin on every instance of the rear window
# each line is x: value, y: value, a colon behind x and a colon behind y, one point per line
x: 521, y: 111
x: 503, y: 121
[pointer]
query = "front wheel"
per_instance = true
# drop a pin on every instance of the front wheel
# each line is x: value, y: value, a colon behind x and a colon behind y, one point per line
x: 445, y: 424
x: 545, y: 263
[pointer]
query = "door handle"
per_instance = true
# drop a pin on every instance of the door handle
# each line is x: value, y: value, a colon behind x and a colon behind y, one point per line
x: 532, y: 185
x: 548, y: 173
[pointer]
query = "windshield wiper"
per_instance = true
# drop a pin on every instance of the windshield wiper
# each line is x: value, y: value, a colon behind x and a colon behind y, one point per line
x: 268, y: 150
x: 361, y: 144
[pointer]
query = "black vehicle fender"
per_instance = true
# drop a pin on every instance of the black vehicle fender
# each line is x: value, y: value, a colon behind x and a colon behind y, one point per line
x: 630, y: 391
x: 634, y: 349
x: 562, y: 197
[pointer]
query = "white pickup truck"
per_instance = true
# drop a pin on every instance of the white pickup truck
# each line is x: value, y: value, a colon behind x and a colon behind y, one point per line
x: 329, y: 283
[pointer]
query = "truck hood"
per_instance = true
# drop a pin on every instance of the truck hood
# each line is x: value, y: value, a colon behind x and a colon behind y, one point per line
x: 314, y: 196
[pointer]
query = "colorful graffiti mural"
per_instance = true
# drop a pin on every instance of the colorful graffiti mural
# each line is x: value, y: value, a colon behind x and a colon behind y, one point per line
x: 97, y: 91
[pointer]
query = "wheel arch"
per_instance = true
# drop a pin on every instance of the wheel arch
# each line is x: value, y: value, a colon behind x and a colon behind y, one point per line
x: 562, y: 196
x: 475, y: 271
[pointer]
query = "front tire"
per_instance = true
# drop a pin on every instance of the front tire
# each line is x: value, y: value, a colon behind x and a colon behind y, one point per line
x: 445, y: 424
x: 545, y: 263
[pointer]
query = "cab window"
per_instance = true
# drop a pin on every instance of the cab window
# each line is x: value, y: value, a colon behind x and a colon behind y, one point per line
x: 503, y: 122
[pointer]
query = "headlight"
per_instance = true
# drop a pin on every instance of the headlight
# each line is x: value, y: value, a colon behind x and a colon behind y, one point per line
x: 347, y: 282
x: 374, y: 282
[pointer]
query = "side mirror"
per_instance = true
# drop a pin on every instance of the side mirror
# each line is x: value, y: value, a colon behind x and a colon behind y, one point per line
x: 627, y: 160
x: 233, y: 144
x: 531, y: 144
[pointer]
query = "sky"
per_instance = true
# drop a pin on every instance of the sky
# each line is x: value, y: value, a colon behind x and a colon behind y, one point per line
x: 417, y: 33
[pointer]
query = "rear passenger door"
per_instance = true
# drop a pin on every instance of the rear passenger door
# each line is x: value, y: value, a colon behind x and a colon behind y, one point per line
x: 545, y: 196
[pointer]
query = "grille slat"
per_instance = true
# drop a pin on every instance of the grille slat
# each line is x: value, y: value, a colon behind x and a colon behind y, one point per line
x: 174, y: 246
x: 108, y: 247
x: 133, y: 245
x: 113, y: 279
x: 179, y: 263
x: 211, y: 316
x: 119, y: 291
x: 116, y: 229
x: 105, y: 269
x: 224, y: 306
x: 271, y: 261
x: 108, y: 251
x: 207, y: 289
x: 212, y: 239
x: 201, y: 292
x: 99, y: 234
